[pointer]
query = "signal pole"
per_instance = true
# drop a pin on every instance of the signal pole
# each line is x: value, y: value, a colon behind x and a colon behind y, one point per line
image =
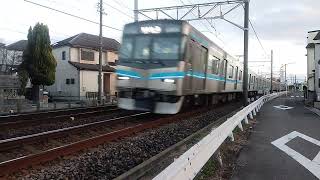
x: 271, y: 88
x: 135, y: 11
x: 245, y: 53
x: 100, y: 55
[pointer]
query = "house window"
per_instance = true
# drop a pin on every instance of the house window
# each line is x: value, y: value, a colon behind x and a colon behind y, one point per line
x: 63, y: 55
x: 87, y: 55
x: 72, y: 80
x: 67, y: 81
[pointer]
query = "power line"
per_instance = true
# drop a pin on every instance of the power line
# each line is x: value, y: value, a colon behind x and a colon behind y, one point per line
x: 75, y: 16
x: 257, y: 37
x: 119, y: 11
x: 122, y: 5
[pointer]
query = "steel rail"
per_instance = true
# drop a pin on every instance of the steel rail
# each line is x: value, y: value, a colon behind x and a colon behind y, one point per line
x: 48, y: 113
x: 32, y: 121
x: 14, y: 165
x: 17, y: 141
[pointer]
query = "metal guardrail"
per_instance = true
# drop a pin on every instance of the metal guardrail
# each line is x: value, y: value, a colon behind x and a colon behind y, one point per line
x: 190, y: 163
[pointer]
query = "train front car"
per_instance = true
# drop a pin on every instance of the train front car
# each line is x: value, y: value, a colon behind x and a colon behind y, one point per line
x: 150, y: 68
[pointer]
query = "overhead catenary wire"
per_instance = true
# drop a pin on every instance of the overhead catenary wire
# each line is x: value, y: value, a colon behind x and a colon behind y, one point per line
x: 122, y: 4
x: 256, y: 34
x: 118, y: 10
x: 72, y: 15
x: 215, y: 34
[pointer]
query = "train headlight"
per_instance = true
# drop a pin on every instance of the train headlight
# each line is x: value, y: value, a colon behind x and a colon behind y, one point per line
x: 169, y: 80
x: 123, y: 78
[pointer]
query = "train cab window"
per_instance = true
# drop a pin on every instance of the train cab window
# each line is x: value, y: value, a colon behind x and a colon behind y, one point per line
x: 230, y: 71
x: 166, y: 48
x: 126, y: 48
x: 142, y: 48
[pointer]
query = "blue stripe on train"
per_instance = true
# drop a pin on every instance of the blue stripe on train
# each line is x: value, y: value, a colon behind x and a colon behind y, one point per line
x: 174, y: 75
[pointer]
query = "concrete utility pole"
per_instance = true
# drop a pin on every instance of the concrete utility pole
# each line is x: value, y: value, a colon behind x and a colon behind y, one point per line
x: 295, y: 83
x: 135, y: 11
x: 100, y: 55
x: 285, y: 76
x: 245, y: 53
x: 271, y: 88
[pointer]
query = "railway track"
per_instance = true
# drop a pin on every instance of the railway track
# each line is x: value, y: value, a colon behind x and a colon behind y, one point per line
x: 23, y: 128
x: 116, y: 128
x: 17, y: 120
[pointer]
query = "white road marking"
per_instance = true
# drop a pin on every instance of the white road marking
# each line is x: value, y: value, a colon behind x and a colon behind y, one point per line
x: 312, y: 165
x: 283, y: 107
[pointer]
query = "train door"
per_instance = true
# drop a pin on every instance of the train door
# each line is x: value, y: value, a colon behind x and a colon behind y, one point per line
x: 189, y: 70
x: 225, y: 69
x: 236, y: 78
x: 198, y: 57
x: 203, y: 67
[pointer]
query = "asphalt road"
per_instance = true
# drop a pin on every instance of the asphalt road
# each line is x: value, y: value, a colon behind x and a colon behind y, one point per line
x: 285, y: 144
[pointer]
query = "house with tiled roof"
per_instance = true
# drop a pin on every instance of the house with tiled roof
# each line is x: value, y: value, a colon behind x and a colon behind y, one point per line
x: 78, y: 67
x: 313, y: 68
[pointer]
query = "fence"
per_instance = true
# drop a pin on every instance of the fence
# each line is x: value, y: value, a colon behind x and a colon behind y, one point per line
x: 190, y: 163
x: 22, y: 105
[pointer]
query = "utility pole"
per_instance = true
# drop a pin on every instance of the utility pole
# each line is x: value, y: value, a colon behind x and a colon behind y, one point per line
x: 271, y: 88
x: 100, y: 55
x: 245, y: 53
x: 285, y: 76
x: 135, y: 11
x: 295, y: 83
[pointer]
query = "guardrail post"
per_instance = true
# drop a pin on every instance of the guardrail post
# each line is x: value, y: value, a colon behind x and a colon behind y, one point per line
x: 240, y: 126
x: 231, y: 136
x: 219, y: 159
x: 246, y: 120
x: 254, y: 111
x: 250, y: 115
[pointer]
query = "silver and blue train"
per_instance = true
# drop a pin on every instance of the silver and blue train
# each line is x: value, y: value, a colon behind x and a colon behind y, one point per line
x: 167, y: 64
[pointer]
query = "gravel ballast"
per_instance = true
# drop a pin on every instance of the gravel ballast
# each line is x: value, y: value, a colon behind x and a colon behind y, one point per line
x: 110, y: 160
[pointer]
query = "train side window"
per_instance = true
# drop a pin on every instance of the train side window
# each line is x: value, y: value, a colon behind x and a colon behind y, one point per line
x: 214, y: 64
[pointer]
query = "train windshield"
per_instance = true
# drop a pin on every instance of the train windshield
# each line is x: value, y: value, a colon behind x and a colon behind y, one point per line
x: 150, y: 48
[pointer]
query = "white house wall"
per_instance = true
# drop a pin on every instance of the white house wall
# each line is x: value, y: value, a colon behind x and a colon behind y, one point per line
x: 64, y: 71
x: 311, y: 64
x: 88, y: 82
x: 317, y: 65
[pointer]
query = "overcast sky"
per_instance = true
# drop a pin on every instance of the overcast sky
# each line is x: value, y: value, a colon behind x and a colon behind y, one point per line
x: 282, y: 25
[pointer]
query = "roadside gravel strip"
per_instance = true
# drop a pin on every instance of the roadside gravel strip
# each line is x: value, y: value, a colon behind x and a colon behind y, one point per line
x: 111, y: 160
